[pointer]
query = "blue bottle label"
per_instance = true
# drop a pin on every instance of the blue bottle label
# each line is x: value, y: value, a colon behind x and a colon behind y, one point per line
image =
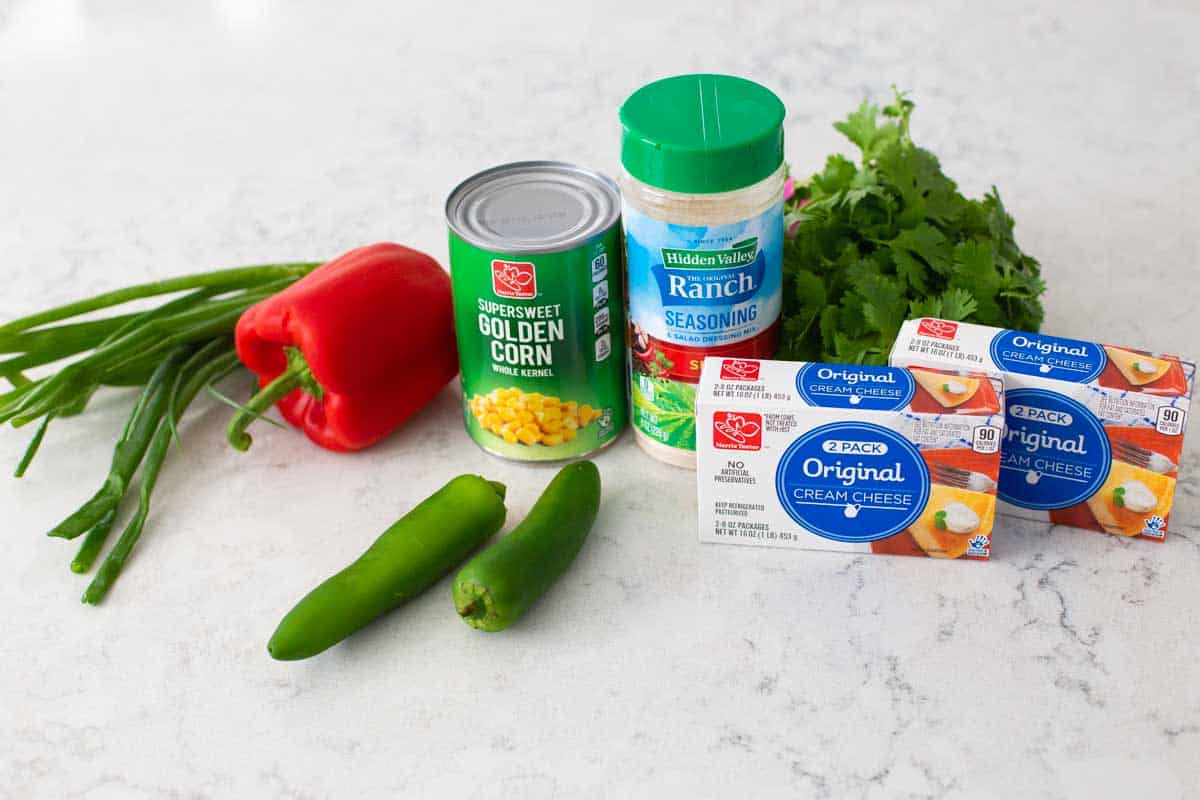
x: 704, y: 285
x: 852, y: 482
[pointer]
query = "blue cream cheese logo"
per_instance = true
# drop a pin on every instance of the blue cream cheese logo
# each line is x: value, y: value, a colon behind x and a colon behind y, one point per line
x: 1055, y: 452
x: 852, y: 482
x: 1048, y: 356
x: 710, y: 277
x: 844, y: 386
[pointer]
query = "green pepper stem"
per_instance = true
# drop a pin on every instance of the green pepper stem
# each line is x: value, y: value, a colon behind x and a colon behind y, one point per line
x: 298, y: 375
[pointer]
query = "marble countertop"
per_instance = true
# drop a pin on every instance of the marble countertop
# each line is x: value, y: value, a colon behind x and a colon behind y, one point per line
x: 138, y: 140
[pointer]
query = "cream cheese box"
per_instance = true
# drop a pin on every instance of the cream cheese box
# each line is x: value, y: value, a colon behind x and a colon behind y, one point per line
x: 847, y: 457
x: 1093, y: 432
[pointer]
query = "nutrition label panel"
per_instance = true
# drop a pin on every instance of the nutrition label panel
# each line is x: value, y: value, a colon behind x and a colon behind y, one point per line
x: 601, y: 319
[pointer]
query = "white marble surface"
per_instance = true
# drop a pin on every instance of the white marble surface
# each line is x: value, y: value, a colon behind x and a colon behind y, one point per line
x: 137, y: 141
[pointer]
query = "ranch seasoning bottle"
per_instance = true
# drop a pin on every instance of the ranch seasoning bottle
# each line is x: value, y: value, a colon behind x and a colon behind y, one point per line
x: 702, y: 211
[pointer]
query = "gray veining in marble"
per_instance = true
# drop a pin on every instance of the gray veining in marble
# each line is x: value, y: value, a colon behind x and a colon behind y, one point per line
x: 147, y: 139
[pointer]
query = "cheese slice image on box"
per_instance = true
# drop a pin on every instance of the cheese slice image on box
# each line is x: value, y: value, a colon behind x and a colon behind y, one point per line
x: 1137, y: 368
x: 949, y: 390
x: 951, y: 518
x: 1093, y: 432
x: 836, y: 457
x: 1129, y: 496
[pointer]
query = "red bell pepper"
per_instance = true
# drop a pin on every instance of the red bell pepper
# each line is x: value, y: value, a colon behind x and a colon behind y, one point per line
x: 351, y: 350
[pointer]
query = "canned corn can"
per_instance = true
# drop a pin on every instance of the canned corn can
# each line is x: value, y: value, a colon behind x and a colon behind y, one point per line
x: 535, y: 264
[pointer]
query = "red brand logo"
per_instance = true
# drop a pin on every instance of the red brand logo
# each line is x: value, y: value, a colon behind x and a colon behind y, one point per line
x: 937, y: 328
x: 734, y: 430
x: 736, y: 369
x: 515, y: 279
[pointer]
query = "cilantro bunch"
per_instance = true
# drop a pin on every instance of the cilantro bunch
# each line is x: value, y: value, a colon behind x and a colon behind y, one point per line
x: 872, y: 244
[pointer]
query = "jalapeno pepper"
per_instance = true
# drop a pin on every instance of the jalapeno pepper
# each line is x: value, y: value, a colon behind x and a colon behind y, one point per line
x: 497, y: 586
x: 406, y: 559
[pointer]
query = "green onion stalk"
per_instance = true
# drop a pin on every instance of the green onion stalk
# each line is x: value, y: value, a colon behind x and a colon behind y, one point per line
x: 172, y: 351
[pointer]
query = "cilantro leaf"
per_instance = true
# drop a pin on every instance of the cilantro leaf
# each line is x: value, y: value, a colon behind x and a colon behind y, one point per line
x: 925, y: 307
x: 892, y: 237
x: 861, y: 128
x: 975, y: 272
x: 957, y: 304
x: 808, y: 296
x: 883, y: 305
x: 828, y: 327
x: 927, y: 242
x: 853, y: 319
x: 863, y: 185
x: 839, y: 171
x: 912, y: 271
x: 853, y: 350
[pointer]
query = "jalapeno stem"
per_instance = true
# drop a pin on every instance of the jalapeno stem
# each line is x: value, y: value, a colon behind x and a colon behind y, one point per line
x: 298, y: 375
x: 477, y: 608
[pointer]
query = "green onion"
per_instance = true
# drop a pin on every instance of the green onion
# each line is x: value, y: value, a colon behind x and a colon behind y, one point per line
x: 172, y: 351
x: 127, y: 455
x: 86, y: 334
x: 32, y: 449
x: 238, y: 277
x: 93, y: 542
x: 203, y: 367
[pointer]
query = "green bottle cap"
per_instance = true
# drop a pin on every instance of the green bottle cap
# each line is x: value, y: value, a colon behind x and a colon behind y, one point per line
x: 701, y: 134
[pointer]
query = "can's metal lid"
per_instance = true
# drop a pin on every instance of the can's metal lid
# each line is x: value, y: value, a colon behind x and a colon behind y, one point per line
x: 532, y: 207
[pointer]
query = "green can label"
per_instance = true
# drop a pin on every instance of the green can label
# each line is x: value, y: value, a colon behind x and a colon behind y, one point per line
x: 541, y: 345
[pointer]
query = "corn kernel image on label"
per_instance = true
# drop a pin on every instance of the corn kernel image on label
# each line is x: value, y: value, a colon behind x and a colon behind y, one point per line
x: 532, y: 418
